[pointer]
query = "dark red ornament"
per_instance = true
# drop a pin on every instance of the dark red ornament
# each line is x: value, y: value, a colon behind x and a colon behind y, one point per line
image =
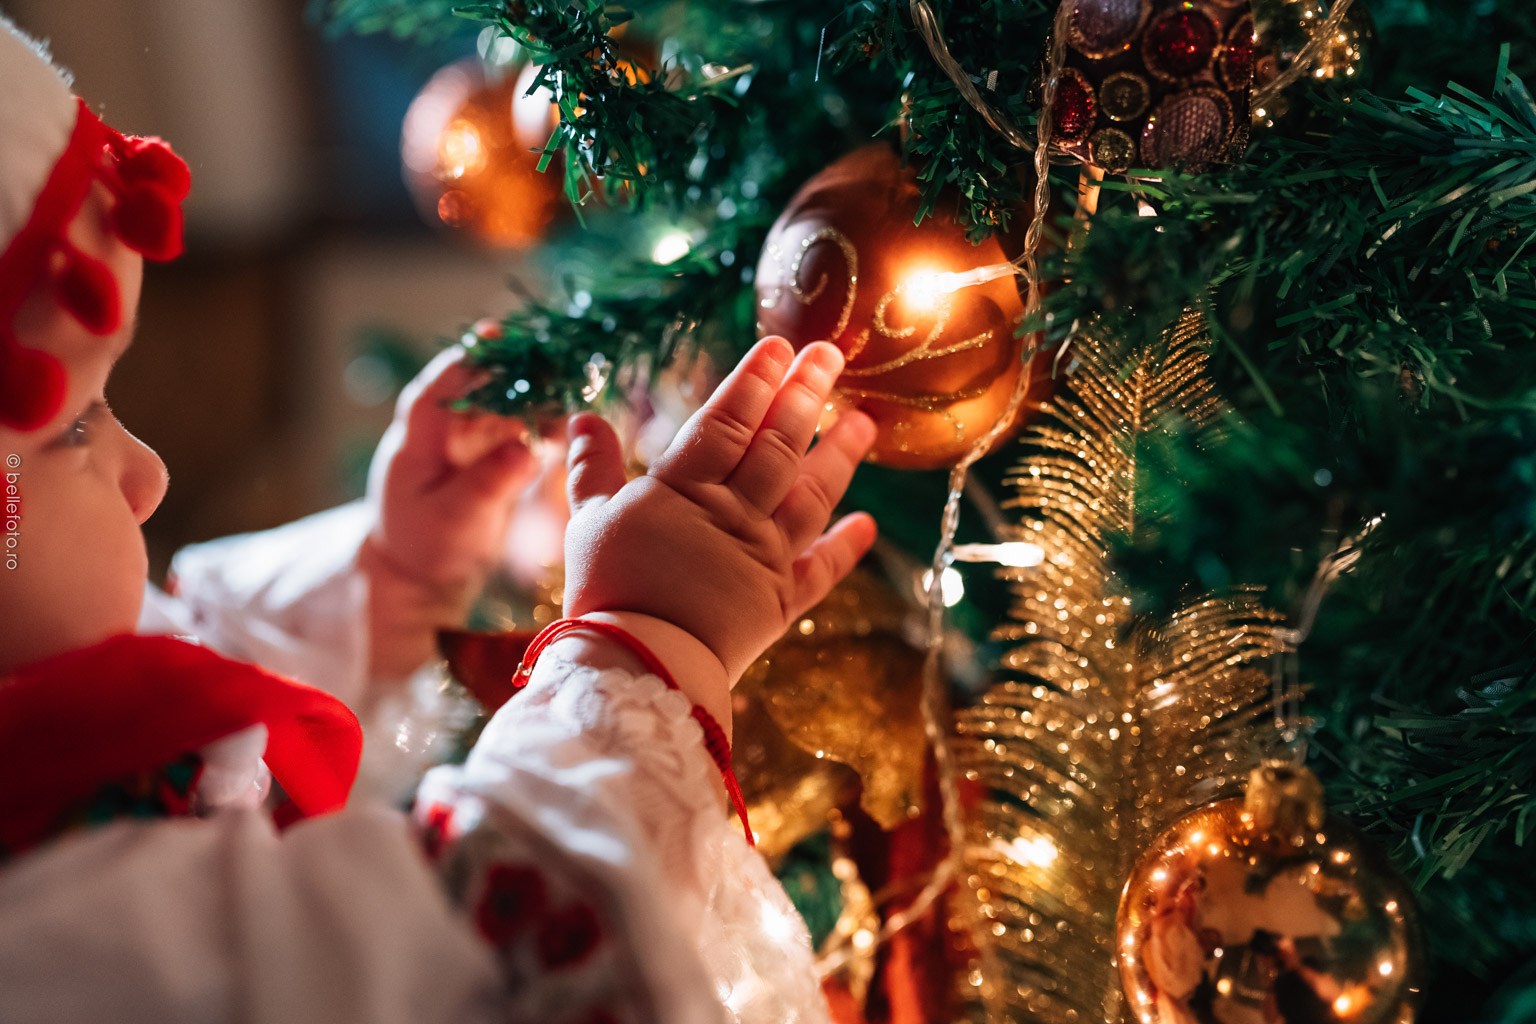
x: 1075, y: 106
x: 1180, y: 44
x: 1237, y: 55
x: 1155, y: 83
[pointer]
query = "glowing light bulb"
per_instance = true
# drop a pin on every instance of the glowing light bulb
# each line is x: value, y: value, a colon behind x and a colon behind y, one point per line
x: 950, y: 584
x: 671, y: 247
x: 460, y: 151
x: 924, y: 288
x: 1017, y: 553
x: 1039, y: 852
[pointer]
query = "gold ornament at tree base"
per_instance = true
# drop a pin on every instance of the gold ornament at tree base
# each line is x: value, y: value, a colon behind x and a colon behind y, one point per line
x: 470, y: 148
x: 830, y: 712
x: 1261, y: 909
x: 925, y: 319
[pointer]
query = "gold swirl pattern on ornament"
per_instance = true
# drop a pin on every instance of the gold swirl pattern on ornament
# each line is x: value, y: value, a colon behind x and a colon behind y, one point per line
x: 1113, y: 723
x: 929, y: 348
x: 806, y: 298
x: 939, y: 405
x: 942, y: 305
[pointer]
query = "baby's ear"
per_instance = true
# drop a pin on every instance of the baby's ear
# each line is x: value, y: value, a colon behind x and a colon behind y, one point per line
x: 595, y: 465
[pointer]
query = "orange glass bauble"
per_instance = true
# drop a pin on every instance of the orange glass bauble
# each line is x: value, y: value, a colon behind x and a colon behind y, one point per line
x: 471, y: 148
x: 932, y: 355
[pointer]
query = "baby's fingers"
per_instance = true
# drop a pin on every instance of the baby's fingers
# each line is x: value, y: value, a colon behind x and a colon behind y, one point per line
x: 714, y: 439
x: 772, y: 461
x: 595, y: 462
x: 823, y: 478
x: 832, y: 557
x: 423, y: 402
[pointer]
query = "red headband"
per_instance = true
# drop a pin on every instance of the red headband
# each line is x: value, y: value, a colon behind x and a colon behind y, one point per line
x: 149, y: 182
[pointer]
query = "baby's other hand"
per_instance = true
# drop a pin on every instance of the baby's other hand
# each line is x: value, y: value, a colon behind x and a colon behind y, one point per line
x: 443, y: 486
x: 723, y: 538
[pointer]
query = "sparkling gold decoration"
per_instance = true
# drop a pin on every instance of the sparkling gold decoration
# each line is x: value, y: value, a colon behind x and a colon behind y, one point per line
x: 1112, y: 149
x: 790, y: 793
x: 1288, y: 31
x: 925, y: 319
x: 859, y: 922
x: 1124, y: 95
x: 469, y: 145
x: 832, y: 704
x: 1113, y: 725
x: 1226, y: 919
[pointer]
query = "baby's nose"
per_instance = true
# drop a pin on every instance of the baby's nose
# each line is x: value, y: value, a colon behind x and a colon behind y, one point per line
x: 144, y: 479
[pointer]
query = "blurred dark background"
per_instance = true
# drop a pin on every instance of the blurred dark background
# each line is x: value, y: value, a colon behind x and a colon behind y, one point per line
x: 267, y: 357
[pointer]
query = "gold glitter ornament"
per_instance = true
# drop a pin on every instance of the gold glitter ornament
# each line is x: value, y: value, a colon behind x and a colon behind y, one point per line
x: 790, y: 793
x: 925, y: 319
x: 1112, y: 149
x: 1110, y: 723
x: 842, y: 687
x: 1282, y: 29
x: 1260, y: 909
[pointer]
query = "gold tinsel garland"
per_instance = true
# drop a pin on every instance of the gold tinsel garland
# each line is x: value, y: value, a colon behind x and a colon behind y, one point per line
x: 1112, y: 725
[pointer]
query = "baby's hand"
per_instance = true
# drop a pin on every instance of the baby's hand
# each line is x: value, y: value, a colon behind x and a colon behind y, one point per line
x: 723, y: 538
x: 443, y: 486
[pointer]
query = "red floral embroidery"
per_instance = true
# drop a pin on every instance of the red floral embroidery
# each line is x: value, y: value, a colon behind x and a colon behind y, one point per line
x: 513, y: 898
x: 568, y: 936
x: 436, y: 827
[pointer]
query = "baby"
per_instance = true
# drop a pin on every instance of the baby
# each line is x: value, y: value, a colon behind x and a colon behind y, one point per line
x: 579, y: 867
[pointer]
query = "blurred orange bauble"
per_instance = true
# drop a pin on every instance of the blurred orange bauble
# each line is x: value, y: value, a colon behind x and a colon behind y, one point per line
x: 471, y: 146
x: 932, y: 355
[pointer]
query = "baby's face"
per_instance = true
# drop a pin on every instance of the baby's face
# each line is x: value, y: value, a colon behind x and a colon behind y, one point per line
x: 72, y: 562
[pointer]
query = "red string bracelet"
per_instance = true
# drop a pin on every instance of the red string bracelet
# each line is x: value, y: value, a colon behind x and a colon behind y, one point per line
x: 714, y: 736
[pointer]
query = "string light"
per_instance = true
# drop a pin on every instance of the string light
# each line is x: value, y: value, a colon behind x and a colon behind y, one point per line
x: 926, y: 288
x: 952, y: 584
x: 671, y: 247
x: 1039, y: 852
x: 460, y: 151
x: 1016, y: 554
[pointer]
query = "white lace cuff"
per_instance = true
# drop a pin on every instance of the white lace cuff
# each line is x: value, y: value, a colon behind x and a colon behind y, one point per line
x: 601, y: 780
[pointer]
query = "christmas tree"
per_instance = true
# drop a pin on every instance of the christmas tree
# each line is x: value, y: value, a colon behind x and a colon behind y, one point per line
x: 1258, y: 282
